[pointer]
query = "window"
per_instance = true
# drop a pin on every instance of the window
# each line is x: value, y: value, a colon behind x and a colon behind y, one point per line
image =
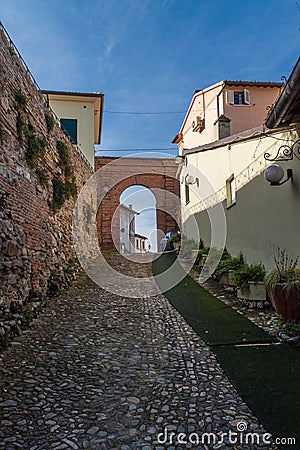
x: 230, y: 191
x: 69, y: 127
x: 238, y: 97
x: 187, y: 193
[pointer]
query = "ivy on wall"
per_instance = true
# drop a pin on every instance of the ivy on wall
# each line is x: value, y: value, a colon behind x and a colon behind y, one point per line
x: 61, y: 190
x: 49, y: 119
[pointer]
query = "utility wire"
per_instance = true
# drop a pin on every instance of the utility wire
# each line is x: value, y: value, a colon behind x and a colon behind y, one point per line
x: 156, y: 113
x: 144, y: 113
x: 136, y: 149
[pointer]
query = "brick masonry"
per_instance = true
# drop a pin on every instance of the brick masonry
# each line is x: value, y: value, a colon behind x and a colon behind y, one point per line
x: 35, y: 240
x: 154, y: 173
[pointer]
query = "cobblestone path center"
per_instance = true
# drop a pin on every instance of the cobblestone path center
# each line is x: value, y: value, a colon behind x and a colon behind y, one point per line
x: 101, y: 371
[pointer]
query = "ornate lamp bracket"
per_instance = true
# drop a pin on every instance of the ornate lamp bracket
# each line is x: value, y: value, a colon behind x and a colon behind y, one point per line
x: 285, y: 152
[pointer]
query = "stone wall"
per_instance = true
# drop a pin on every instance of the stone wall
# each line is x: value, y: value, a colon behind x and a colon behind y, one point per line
x: 40, y: 174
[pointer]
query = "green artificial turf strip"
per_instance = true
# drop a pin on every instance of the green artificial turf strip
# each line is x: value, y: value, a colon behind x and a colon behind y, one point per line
x: 267, y: 377
x: 215, y: 322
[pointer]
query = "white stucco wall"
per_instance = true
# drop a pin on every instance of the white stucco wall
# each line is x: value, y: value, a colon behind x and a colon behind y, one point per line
x: 263, y: 217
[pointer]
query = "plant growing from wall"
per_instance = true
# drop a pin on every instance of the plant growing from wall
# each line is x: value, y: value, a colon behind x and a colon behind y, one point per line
x: 59, y: 195
x: 43, y: 176
x: 35, y: 149
x: 3, y: 200
x: 49, y: 122
x: 21, y: 126
x: 71, y: 188
x: 63, y: 191
x: 64, y: 158
x: 21, y: 100
x: 2, y: 135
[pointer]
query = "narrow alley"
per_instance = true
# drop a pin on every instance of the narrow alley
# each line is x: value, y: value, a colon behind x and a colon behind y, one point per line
x: 102, y: 371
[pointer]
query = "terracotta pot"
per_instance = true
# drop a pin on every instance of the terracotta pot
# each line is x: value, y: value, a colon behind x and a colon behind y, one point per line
x: 287, y: 303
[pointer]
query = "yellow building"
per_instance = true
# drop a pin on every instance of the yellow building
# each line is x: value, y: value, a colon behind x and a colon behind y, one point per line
x: 80, y: 115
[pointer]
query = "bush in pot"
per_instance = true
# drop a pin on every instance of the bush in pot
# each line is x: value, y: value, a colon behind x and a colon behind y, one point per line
x: 248, y: 279
x: 188, y: 247
x: 202, y: 253
x: 228, y: 265
x: 175, y: 240
x: 283, y: 286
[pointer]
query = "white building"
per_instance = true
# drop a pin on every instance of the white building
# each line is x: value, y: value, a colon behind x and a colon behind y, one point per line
x: 127, y: 228
x: 229, y: 172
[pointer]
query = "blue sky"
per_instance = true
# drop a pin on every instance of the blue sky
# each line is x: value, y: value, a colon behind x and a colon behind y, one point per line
x: 150, y: 55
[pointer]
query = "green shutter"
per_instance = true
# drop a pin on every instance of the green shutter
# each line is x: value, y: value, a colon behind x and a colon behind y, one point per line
x: 69, y: 127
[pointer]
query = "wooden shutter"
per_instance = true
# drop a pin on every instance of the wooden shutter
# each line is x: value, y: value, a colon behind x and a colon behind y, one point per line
x: 230, y: 97
x: 246, y: 97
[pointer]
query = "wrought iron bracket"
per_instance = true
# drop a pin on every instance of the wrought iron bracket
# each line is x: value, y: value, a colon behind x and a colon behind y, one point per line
x: 285, y: 152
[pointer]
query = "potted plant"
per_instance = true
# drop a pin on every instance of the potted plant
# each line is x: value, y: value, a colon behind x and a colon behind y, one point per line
x: 248, y: 279
x: 188, y: 247
x: 226, y: 268
x: 289, y: 333
x: 283, y: 286
x: 202, y: 254
x: 176, y: 240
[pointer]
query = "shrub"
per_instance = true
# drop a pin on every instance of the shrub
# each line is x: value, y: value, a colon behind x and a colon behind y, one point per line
x: 43, y: 176
x: 187, y: 245
x: 71, y: 188
x: 176, y: 237
x: 287, y: 272
x: 246, y: 273
x: 63, y: 152
x: 21, y: 100
x: 59, y: 195
x: 36, y: 147
x: 62, y: 192
x: 291, y: 329
x: 21, y: 126
x: 49, y: 122
x: 229, y: 263
x: 64, y: 158
x: 2, y: 135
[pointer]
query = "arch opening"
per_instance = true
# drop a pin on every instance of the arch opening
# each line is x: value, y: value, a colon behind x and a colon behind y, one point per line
x: 138, y: 220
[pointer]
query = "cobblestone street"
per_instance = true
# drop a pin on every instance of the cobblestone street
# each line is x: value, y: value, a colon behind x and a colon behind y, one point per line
x: 101, y: 371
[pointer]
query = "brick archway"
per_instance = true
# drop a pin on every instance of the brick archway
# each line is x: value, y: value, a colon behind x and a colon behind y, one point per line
x: 153, y: 173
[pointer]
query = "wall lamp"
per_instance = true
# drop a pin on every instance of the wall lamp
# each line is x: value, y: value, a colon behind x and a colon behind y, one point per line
x: 189, y: 179
x: 179, y: 159
x: 274, y: 174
